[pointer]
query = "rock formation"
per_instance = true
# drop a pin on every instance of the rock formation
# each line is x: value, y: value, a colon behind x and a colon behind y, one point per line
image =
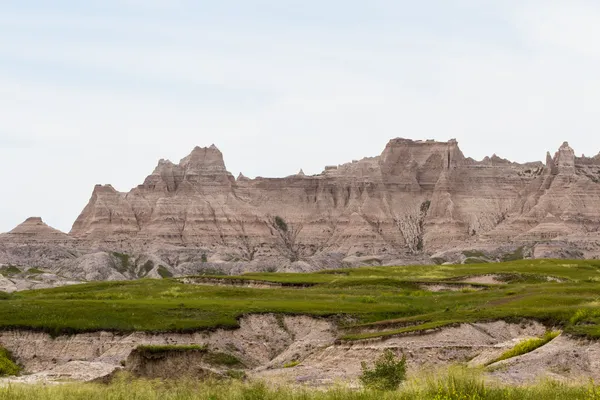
x: 415, y: 200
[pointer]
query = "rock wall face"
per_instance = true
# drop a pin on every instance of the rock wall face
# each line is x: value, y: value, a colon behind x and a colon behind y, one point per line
x: 416, y: 199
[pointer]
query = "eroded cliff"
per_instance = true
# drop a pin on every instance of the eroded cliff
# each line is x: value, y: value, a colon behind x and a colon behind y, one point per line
x: 417, y: 199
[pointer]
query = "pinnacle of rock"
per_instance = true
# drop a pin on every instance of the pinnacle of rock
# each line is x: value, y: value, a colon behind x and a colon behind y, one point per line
x: 204, y: 159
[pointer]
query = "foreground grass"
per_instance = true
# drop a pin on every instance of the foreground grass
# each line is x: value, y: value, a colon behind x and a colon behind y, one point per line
x: 367, y: 302
x: 457, y: 384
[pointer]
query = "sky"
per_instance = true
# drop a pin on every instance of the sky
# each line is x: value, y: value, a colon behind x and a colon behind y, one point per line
x: 98, y: 92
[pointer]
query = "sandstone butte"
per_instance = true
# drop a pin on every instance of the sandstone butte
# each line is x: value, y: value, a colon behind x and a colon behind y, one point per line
x: 418, y: 202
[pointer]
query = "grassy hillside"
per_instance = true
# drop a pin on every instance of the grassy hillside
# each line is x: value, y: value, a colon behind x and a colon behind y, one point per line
x: 392, y: 299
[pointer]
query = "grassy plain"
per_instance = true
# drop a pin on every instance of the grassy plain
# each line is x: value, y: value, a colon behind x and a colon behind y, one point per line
x: 367, y: 302
x: 457, y: 384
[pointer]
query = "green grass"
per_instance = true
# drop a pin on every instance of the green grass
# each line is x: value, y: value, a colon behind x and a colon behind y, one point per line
x: 7, y: 365
x: 456, y: 384
x: 9, y: 270
x: 163, y: 272
x: 147, y: 267
x: 291, y: 364
x: 366, y: 302
x: 526, y: 346
x: 210, y: 357
x: 518, y: 254
x: 222, y: 359
x: 35, y: 271
x: 124, y: 262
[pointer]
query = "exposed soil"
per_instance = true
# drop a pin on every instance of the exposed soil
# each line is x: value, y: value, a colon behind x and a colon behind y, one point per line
x: 441, y: 287
x: 265, y: 344
x: 485, y: 280
x: 172, y: 365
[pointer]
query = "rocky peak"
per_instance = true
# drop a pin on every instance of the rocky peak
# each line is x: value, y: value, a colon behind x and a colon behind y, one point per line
x: 104, y: 189
x: 204, y: 159
x: 36, y: 228
x: 242, y: 178
x: 417, y: 164
x: 406, y: 152
x: 565, y: 160
x: 550, y: 164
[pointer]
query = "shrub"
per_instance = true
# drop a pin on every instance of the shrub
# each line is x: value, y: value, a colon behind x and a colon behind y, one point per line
x: 387, y: 373
x: 281, y: 224
x: 204, y: 258
x: 7, y: 365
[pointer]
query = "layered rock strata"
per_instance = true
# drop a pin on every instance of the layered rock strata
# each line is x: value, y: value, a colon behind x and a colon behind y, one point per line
x: 416, y: 199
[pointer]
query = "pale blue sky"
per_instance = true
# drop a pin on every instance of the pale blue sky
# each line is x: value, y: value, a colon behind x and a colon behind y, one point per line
x: 97, y: 92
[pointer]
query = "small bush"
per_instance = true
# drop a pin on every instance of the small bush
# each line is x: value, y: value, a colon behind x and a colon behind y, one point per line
x: 7, y: 365
x: 387, y: 374
x: 281, y: 224
x: 204, y: 258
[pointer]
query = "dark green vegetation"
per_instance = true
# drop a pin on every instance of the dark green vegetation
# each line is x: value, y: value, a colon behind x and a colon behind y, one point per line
x: 455, y: 385
x: 7, y: 365
x: 387, y: 373
x: 210, y: 357
x: 527, y: 346
x: 149, y: 349
x: 379, y: 300
x: 124, y: 264
x: 163, y: 272
x: 9, y: 270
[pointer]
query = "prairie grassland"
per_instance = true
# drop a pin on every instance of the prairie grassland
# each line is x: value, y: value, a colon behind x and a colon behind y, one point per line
x: 457, y: 384
x: 366, y: 302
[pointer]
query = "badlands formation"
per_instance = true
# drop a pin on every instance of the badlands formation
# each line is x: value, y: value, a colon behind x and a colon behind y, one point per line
x: 418, y: 202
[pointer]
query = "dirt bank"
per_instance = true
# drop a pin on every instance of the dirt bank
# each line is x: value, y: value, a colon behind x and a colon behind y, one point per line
x: 266, y: 344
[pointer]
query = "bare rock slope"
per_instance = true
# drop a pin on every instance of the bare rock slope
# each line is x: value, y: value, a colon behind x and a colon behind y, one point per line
x: 300, y: 349
x: 416, y: 200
